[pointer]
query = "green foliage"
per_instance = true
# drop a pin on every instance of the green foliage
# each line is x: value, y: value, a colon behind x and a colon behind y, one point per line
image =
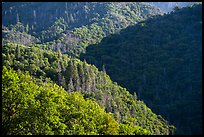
x: 76, y: 25
x: 32, y: 107
x: 54, y: 31
x: 86, y: 79
x: 153, y: 54
x: 159, y: 59
x: 126, y: 129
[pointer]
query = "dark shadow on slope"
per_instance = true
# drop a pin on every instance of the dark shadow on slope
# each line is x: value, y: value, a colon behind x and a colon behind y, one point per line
x: 160, y: 59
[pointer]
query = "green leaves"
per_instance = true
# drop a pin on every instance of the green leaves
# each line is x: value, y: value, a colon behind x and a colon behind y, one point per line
x: 84, y: 78
x: 31, y: 107
x: 126, y: 129
x: 160, y: 60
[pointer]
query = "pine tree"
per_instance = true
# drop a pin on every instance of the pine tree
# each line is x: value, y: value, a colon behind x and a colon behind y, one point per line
x: 17, y: 18
x: 18, y: 52
x: 71, y: 18
x: 63, y: 83
x: 87, y: 77
x: 59, y: 75
x: 10, y: 60
x: 70, y: 86
x: 27, y: 28
x: 104, y: 69
x: 135, y: 96
x: 81, y: 73
x: 59, y: 67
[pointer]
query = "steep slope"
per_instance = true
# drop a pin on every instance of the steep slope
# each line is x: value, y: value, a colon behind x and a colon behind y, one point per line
x: 75, y: 14
x: 160, y: 59
x: 72, y: 26
x: 33, y: 107
x: 74, y: 75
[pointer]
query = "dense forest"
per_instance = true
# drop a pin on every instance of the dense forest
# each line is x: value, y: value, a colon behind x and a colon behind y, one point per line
x: 33, y: 107
x: 73, y: 25
x: 101, y: 68
x: 75, y: 75
x: 160, y: 59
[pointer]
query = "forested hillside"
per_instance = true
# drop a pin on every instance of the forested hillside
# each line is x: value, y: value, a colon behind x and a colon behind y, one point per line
x: 33, y: 107
x: 71, y: 26
x: 74, y: 75
x: 101, y: 68
x: 160, y: 60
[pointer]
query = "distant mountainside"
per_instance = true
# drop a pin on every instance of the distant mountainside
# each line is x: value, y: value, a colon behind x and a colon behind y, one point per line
x: 169, y: 6
x: 71, y: 26
x: 76, y: 14
x: 161, y: 60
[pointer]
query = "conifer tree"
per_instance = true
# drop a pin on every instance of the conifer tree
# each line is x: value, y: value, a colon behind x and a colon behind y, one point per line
x: 18, y: 52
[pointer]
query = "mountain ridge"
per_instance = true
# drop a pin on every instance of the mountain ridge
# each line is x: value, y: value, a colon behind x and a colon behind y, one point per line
x: 136, y: 53
x: 152, y: 57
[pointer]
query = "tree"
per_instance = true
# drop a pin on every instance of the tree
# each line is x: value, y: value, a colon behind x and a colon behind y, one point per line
x: 177, y: 7
x: 18, y: 52
x: 27, y: 28
x: 71, y: 18
x: 70, y: 86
